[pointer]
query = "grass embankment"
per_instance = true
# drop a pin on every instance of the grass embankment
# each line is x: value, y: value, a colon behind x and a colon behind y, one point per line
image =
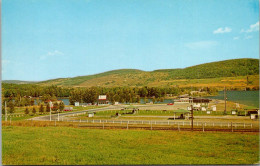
x: 72, y: 146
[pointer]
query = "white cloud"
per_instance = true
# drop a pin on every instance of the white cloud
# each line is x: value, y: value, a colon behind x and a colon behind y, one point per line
x: 236, y: 38
x: 252, y: 28
x: 51, y: 54
x: 201, y: 44
x: 248, y: 37
x: 222, y: 30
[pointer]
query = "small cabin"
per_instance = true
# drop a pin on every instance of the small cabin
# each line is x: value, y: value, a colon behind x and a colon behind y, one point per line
x: 233, y: 112
x: 76, y: 104
x: 90, y: 114
x: 214, y: 108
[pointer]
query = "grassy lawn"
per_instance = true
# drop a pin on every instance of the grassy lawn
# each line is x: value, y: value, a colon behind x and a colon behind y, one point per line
x: 73, y: 146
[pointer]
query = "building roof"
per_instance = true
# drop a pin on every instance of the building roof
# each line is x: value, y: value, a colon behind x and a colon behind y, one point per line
x: 181, y: 111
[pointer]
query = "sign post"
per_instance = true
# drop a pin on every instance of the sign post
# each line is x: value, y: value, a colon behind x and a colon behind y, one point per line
x: 5, y: 112
x: 50, y: 109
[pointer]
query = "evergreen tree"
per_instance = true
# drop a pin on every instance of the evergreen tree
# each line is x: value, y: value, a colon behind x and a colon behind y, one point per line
x: 61, y: 106
x: 34, y: 110
x: 11, y: 107
x: 26, y: 111
x: 41, y: 109
x: 47, y: 108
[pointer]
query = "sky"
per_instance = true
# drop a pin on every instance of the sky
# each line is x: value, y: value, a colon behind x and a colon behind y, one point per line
x: 47, y: 39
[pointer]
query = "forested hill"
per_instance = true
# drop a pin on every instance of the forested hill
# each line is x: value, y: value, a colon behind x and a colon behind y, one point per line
x: 228, y: 68
x: 235, y: 68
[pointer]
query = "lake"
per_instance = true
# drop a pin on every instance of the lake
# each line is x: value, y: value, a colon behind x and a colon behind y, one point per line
x: 250, y: 98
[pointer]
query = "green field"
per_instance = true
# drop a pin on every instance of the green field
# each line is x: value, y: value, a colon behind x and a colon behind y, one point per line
x: 73, y: 146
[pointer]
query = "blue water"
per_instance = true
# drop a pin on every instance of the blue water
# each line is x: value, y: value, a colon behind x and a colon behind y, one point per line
x: 250, y: 98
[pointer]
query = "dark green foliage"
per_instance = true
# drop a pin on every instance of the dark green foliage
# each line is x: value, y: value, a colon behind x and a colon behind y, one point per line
x: 47, y: 107
x: 11, y: 107
x: 61, y: 106
x: 26, y: 111
x: 55, y: 106
x: 228, y: 68
x: 34, y: 110
x: 41, y: 109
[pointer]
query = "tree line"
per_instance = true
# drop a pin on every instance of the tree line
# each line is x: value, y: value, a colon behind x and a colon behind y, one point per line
x: 20, y: 95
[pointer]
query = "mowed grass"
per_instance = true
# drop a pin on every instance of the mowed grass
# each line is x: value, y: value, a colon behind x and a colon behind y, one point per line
x: 73, y: 146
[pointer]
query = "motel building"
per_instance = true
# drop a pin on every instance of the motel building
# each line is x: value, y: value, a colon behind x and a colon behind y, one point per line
x: 102, y: 100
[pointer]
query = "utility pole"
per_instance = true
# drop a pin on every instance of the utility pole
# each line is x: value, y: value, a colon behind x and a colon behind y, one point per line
x: 191, y: 107
x: 50, y: 110
x: 225, y: 98
x: 191, y: 117
x: 5, y: 112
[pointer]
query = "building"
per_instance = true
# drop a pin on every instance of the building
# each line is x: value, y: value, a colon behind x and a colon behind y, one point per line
x: 200, y: 100
x: 183, y: 99
x: 76, y: 104
x: 90, y: 114
x: 102, y: 100
x: 68, y: 108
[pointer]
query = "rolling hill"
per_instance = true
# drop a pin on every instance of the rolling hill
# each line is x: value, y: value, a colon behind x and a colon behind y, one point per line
x: 223, y: 73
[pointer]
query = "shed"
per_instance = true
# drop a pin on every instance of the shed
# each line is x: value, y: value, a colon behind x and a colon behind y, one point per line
x: 182, y: 112
x: 76, y: 104
x: 254, y: 116
x: 203, y: 109
x: 214, y: 108
x: 90, y: 114
x: 233, y: 112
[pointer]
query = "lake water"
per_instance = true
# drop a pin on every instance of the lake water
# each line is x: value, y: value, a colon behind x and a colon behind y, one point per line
x: 250, y: 98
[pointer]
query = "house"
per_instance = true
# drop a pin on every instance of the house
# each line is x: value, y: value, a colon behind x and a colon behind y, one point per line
x: 68, y: 109
x: 200, y: 100
x: 183, y: 99
x: 102, y: 100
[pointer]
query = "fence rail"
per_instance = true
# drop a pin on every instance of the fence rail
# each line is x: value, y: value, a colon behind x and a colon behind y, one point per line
x: 135, y: 124
x: 183, y: 124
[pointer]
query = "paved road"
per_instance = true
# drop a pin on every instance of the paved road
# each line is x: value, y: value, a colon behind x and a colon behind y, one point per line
x: 62, y: 115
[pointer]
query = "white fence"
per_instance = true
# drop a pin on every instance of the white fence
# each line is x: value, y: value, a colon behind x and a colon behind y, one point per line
x: 205, y: 124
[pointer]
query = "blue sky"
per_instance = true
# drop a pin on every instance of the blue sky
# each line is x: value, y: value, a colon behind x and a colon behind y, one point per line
x: 46, y: 39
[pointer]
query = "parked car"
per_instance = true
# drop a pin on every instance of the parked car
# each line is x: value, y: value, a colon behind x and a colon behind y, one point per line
x: 170, y: 104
